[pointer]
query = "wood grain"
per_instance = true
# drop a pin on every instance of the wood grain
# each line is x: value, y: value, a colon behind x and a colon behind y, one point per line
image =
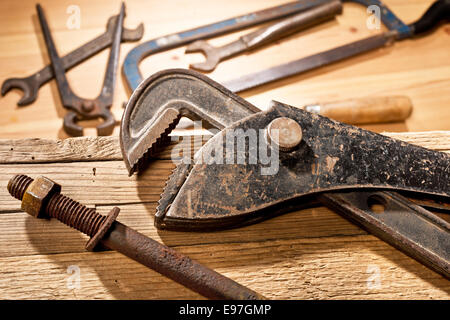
x: 308, y: 254
x: 108, y: 148
x: 368, y: 110
x: 316, y: 268
x: 418, y: 68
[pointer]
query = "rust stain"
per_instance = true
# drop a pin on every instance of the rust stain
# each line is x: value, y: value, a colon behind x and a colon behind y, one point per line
x: 331, y: 162
x: 447, y: 30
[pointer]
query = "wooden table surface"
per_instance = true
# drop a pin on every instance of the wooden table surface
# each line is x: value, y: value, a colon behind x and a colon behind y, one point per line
x: 418, y: 68
x: 309, y: 254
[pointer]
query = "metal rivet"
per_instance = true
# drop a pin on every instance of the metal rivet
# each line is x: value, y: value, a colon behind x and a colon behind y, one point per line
x: 87, y: 106
x: 285, y: 133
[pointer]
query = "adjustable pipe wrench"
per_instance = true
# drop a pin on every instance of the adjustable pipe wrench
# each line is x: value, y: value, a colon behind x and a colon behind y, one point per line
x: 266, y: 163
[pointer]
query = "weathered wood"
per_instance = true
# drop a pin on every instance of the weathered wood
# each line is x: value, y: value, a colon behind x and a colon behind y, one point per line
x: 342, y: 267
x: 23, y: 235
x: 107, y: 182
x: 419, y: 68
x: 435, y: 140
x: 92, y: 183
x: 108, y: 148
x: 48, y: 150
x: 309, y: 254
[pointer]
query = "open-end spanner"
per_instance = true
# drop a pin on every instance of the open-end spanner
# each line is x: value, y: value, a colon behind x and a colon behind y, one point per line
x: 30, y: 85
x: 439, y: 11
x: 341, y: 166
x: 262, y: 36
x: 171, y: 41
x: 80, y: 108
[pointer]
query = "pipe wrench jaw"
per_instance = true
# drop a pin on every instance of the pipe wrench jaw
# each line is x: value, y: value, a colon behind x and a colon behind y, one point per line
x: 331, y: 157
x: 285, y: 159
x: 158, y: 103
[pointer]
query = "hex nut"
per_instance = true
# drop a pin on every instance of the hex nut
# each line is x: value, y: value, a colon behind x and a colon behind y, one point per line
x: 37, y: 195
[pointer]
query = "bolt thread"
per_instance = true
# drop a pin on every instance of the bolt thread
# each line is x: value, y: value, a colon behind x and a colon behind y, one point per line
x: 18, y: 185
x: 66, y: 210
x: 74, y: 214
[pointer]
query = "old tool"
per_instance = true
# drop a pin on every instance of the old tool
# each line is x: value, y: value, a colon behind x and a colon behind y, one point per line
x: 313, y: 157
x: 41, y: 198
x: 263, y: 36
x: 397, y: 30
x: 134, y: 57
x: 80, y: 108
x: 438, y: 12
x: 31, y: 84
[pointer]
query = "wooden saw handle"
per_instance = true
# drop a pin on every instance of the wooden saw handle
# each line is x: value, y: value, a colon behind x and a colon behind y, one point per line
x: 367, y: 110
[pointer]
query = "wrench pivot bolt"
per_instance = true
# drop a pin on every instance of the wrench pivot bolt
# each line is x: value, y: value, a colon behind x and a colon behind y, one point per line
x: 87, y: 106
x: 285, y: 133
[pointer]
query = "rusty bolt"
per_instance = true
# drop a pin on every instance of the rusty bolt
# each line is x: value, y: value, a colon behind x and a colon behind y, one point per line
x: 41, y: 198
x: 44, y: 200
x: 285, y: 133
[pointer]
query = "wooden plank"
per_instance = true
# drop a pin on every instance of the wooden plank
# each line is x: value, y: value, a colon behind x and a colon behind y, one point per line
x: 308, y: 254
x: 311, y: 254
x: 435, y: 140
x: 107, y: 182
x: 356, y: 267
x: 49, y: 150
x: 92, y: 183
x: 108, y: 148
x: 23, y: 235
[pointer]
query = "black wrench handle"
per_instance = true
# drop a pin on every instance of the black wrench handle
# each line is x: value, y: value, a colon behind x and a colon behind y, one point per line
x: 439, y: 11
x: 31, y: 84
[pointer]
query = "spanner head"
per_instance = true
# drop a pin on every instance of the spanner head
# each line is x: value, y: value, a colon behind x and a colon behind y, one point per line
x: 28, y: 85
x: 211, y: 53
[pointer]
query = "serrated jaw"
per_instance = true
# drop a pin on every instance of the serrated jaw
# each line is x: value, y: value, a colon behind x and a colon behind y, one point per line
x: 138, y: 151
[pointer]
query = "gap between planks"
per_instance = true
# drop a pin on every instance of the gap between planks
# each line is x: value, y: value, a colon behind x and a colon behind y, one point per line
x: 108, y: 148
x: 329, y: 254
x: 319, y: 268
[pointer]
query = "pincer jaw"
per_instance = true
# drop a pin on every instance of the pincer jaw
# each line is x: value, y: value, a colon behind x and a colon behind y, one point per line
x: 140, y: 144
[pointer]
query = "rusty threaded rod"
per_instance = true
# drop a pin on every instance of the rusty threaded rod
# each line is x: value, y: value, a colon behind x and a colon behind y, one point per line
x: 62, y: 208
x: 138, y: 247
